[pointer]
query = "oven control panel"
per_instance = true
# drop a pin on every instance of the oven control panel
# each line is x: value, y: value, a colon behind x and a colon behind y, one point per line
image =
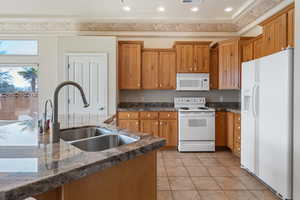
x: 189, y: 102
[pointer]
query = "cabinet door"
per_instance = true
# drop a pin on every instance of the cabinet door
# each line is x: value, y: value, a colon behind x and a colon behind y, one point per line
x: 201, y: 54
x: 132, y: 125
x: 185, y: 58
x: 214, y: 69
x: 167, y: 70
x: 221, y: 136
x: 150, y: 126
x: 230, y: 130
x: 234, y: 66
x: 224, y: 59
x: 275, y: 35
x: 258, y: 45
x: 150, y: 70
x: 247, y: 51
x: 291, y: 29
x: 129, y: 66
x: 237, y: 134
x: 168, y: 130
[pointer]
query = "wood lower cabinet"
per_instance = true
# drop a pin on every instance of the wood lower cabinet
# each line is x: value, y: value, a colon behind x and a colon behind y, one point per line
x: 192, y: 57
x: 150, y: 126
x: 132, y: 125
x: 159, y: 69
x: 129, y: 64
x: 230, y: 130
x: 168, y: 130
x: 161, y: 124
x: 221, y: 129
x: 237, y: 135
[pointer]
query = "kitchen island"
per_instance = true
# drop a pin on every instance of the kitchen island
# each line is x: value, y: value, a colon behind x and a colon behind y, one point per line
x: 31, y: 166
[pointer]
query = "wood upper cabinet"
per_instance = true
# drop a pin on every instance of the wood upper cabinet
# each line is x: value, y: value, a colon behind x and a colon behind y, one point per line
x: 229, y: 64
x: 168, y: 129
x: 201, y: 54
x: 291, y: 27
x: 185, y: 58
x: 275, y: 35
x: 167, y: 70
x: 258, y: 45
x: 214, y: 67
x: 247, y: 49
x: 150, y: 68
x: 192, y: 57
x: 129, y: 65
x: 150, y: 126
x: 221, y: 129
x: 159, y: 69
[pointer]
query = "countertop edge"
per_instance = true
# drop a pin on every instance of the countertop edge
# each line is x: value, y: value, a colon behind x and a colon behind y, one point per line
x: 55, y: 181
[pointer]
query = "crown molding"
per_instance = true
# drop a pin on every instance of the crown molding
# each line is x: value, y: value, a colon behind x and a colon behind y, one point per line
x: 243, y: 19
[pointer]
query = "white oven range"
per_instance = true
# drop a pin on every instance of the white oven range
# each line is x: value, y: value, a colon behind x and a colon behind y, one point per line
x: 196, y: 124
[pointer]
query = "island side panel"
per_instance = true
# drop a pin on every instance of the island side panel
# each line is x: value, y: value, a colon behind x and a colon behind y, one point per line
x: 131, y: 180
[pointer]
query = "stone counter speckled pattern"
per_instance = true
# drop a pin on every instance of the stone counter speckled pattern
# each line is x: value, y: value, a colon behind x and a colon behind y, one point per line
x: 30, y: 164
x: 219, y: 106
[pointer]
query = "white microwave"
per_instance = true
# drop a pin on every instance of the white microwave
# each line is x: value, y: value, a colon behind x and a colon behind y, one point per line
x: 192, y: 81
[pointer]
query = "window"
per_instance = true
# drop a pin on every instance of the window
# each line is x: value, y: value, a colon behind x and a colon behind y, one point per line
x: 19, y: 47
x: 18, y: 91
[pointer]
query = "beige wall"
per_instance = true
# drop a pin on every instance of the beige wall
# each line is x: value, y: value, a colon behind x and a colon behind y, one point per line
x: 297, y: 106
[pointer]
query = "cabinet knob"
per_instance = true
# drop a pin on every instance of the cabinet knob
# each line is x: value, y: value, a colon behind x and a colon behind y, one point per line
x: 168, y: 115
x: 148, y: 115
x: 195, y: 69
x: 191, y: 69
x: 156, y: 123
x: 136, y: 123
x: 239, y: 127
x: 161, y: 123
x: 138, y: 84
x: 160, y: 85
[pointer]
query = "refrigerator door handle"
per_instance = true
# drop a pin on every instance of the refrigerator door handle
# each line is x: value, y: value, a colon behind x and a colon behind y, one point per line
x: 253, y: 100
x: 254, y: 104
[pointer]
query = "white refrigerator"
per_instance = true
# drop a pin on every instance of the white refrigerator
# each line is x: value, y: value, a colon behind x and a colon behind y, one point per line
x: 266, y: 120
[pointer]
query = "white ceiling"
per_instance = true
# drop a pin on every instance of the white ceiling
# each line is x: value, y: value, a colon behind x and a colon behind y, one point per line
x: 111, y: 10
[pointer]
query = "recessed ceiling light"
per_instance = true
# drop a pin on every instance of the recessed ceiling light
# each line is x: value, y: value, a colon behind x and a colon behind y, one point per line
x: 161, y: 9
x: 194, y: 9
x: 228, y: 9
x: 126, y: 8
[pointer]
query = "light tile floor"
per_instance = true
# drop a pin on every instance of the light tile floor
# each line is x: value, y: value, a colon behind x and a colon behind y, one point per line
x: 206, y: 176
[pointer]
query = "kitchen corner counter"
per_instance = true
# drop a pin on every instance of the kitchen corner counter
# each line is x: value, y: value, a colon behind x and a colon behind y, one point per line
x: 32, y: 165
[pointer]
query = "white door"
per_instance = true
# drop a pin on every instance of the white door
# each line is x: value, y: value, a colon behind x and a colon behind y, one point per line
x: 91, y: 72
x: 248, y: 116
x: 275, y: 121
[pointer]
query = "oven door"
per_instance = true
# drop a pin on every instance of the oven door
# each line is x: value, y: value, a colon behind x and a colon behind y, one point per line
x: 197, y: 126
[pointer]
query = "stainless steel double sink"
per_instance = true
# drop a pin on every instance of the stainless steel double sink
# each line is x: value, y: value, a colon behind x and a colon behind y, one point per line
x: 94, y: 139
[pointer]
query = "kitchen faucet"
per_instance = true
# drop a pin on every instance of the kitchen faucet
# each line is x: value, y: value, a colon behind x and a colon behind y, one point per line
x: 46, y: 121
x: 55, y: 124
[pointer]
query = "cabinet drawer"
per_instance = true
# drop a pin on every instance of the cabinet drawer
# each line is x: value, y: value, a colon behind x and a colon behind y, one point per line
x: 128, y: 115
x: 168, y: 115
x: 149, y: 115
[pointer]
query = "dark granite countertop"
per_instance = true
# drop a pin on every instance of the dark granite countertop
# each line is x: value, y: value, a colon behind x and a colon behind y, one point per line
x: 30, y: 164
x: 219, y: 106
